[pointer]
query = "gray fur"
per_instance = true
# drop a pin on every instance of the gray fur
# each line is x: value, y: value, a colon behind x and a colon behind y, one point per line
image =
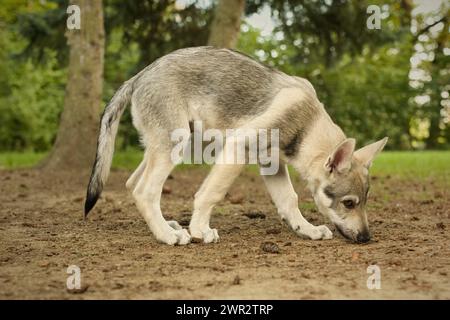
x: 231, y: 84
x: 226, y: 86
x: 105, y: 145
x: 294, y: 125
x: 353, y: 182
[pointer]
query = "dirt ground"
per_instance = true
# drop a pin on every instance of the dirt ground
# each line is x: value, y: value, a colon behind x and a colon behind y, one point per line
x: 42, y: 232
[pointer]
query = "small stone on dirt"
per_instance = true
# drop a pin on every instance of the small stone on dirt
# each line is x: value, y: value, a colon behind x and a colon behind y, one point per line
x: 273, y: 231
x: 355, y: 256
x: 118, y: 286
x: 145, y: 256
x: 28, y: 225
x: 255, y: 215
x: 237, y: 280
x: 236, y: 199
x: 305, y: 275
x: 166, y: 190
x: 78, y: 199
x: 440, y: 225
x: 44, y: 264
x: 270, y: 247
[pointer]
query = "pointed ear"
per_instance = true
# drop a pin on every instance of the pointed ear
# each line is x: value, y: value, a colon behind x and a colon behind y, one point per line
x: 366, y: 154
x: 341, y: 158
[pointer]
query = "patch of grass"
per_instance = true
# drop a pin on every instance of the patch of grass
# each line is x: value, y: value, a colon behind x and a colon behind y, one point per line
x: 128, y: 159
x: 413, y: 165
x: 402, y: 164
x: 16, y: 160
x: 307, y: 206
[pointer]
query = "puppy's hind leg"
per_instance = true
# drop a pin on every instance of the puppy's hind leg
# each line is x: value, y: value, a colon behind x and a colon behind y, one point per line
x: 147, y: 194
x: 134, y: 178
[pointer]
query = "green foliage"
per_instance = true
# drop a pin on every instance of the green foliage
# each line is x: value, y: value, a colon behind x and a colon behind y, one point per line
x: 31, y: 95
x: 34, y: 54
x: 43, y: 25
x: 369, y: 96
x: 360, y: 75
x: 158, y: 27
x: 139, y: 32
x: 30, y: 112
x: 323, y: 31
x: 435, y: 64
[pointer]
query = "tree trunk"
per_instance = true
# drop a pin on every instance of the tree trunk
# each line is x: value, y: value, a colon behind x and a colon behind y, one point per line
x: 226, y: 23
x: 76, y: 139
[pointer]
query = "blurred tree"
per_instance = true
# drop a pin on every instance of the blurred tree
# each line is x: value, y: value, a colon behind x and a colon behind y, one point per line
x: 75, y: 146
x: 158, y: 27
x: 226, y: 24
x: 322, y: 31
x: 43, y: 30
x: 431, y: 40
x: 30, y: 94
x: 147, y: 30
x: 137, y: 33
x: 363, y: 76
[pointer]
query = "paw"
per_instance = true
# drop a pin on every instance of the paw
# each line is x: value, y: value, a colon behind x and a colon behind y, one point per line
x: 174, y: 237
x: 314, y: 233
x: 208, y: 235
x: 326, y: 233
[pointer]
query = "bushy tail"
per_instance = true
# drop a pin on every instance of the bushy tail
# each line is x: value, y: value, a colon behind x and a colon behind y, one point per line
x: 105, y: 145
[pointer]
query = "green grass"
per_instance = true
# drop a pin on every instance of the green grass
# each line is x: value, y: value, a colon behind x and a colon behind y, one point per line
x: 129, y: 159
x: 403, y: 164
x: 14, y: 160
x: 409, y: 164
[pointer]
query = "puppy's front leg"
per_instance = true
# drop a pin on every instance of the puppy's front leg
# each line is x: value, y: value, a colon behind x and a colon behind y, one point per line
x: 211, y: 192
x: 286, y: 200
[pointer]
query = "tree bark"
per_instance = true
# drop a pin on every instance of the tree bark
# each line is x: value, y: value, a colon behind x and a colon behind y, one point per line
x: 226, y: 23
x: 76, y: 139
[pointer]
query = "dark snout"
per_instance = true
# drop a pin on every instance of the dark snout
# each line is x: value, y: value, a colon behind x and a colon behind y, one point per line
x: 363, y: 236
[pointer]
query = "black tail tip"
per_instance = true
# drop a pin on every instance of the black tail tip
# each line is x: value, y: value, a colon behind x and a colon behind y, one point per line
x: 91, y: 200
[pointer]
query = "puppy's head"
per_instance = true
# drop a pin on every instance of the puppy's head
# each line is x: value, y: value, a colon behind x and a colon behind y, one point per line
x: 341, y: 192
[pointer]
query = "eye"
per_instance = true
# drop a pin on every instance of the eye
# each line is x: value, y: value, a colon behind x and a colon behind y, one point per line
x: 349, y: 204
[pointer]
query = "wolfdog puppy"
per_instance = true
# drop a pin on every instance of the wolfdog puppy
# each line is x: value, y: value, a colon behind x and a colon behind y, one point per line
x: 226, y: 89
